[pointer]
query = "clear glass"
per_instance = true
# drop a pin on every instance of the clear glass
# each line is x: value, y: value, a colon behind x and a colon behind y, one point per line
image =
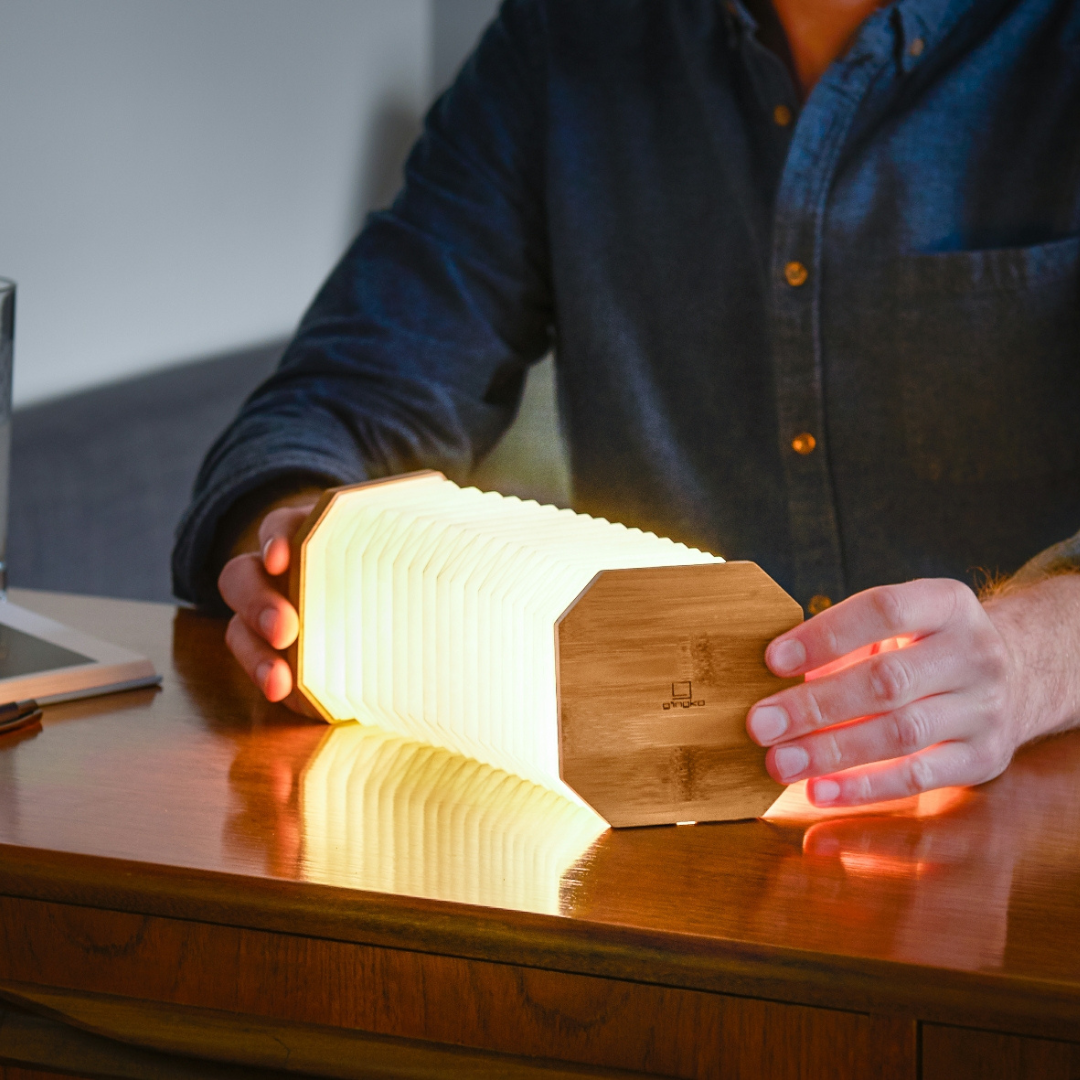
x: 7, y: 351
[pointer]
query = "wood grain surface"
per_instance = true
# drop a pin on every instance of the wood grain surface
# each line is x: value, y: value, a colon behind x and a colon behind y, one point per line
x: 78, y: 1028
x: 166, y: 846
x: 14, y: 1072
x: 509, y: 1009
x: 657, y: 669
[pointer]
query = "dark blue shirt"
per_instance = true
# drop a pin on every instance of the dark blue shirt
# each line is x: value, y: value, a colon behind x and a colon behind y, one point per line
x: 886, y: 272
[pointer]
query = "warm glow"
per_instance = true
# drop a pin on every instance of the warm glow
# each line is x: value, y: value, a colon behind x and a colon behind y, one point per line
x: 430, y: 610
x: 853, y: 658
x: 794, y: 806
x: 388, y: 814
x: 875, y: 864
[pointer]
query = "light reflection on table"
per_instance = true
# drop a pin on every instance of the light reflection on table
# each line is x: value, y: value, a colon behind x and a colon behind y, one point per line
x: 927, y: 880
x: 389, y: 814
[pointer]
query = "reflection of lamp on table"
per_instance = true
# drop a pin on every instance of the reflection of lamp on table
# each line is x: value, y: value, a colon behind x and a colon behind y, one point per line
x: 606, y: 664
x: 388, y: 814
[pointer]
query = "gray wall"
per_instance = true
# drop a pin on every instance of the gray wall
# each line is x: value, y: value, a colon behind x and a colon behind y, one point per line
x: 455, y: 26
x: 179, y: 175
x: 157, y: 203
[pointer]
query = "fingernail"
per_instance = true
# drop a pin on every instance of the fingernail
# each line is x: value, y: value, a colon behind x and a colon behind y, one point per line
x: 262, y: 673
x: 786, y: 656
x: 790, y: 761
x: 268, y: 621
x: 768, y: 723
x: 266, y: 549
x: 825, y: 792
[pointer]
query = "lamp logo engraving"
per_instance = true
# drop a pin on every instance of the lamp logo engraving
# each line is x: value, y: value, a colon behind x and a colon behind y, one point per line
x: 682, y: 697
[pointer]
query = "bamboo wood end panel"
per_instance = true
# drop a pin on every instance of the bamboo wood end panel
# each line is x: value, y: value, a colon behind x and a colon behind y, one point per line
x: 658, y: 668
x: 296, y: 596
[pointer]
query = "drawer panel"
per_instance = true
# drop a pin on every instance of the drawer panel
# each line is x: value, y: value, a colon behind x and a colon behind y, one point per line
x: 953, y: 1053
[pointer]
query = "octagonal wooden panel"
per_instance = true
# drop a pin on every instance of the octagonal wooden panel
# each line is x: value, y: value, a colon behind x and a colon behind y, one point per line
x: 657, y: 670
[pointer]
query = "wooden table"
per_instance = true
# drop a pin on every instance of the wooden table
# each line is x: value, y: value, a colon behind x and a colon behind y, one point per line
x: 191, y: 873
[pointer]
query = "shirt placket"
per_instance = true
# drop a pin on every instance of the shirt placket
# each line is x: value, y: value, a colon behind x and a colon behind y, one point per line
x: 796, y: 293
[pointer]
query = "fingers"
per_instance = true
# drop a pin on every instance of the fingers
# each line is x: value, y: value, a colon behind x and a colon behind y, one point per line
x: 265, y: 621
x: 894, y: 735
x: 265, y: 667
x: 943, y: 765
x: 907, y: 689
x: 275, y: 535
x: 880, y: 683
x: 249, y: 590
x: 916, y: 607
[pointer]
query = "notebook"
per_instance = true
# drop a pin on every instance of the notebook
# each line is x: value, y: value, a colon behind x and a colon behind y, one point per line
x: 48, y: 662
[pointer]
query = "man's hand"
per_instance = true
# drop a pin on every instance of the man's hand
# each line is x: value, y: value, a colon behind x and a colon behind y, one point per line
x: 918, y: 686
x: 253, y: 585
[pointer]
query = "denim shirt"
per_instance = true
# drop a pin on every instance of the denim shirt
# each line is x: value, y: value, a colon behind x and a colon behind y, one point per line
x: 840, y: 337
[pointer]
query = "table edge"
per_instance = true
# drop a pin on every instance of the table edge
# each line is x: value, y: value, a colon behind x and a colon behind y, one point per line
x: 1007, y: 1002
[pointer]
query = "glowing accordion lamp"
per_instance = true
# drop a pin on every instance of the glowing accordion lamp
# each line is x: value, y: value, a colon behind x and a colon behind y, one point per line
x: 601, y: 662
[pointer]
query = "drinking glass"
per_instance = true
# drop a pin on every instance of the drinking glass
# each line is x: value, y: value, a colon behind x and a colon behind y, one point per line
x: 7, y: 349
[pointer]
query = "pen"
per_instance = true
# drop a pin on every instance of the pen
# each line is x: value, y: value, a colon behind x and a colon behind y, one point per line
x: 16, y: 708
x: 16, y: 715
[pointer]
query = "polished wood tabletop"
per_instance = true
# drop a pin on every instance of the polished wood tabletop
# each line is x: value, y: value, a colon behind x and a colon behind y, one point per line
x: 201, y: 801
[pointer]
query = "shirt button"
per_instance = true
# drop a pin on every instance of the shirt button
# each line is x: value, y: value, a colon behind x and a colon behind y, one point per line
x: 803, y: 444
x: 781, y: 115
x: 795, y: 274
x: 916, y: 47
x: 818, y: 604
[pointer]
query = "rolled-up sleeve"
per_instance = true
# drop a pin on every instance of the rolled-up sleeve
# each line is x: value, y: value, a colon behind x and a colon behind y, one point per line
x: 1060, y: 558
x: 413, y: 353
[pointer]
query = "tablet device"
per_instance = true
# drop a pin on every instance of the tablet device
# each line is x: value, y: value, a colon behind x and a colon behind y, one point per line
x: 48, y: 662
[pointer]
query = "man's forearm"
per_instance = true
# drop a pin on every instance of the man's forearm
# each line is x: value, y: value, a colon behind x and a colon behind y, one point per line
x: 1040, y: 622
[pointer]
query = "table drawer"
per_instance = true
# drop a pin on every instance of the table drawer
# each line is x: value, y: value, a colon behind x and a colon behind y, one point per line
x: 953, y: 1053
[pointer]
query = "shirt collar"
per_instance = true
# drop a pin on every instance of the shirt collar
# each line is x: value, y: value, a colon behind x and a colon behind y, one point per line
x: 740, y: 23
x: 918, y: 25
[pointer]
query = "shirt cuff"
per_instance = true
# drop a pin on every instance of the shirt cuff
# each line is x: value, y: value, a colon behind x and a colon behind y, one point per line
x: 1061, y: 558
x: 194, y: 573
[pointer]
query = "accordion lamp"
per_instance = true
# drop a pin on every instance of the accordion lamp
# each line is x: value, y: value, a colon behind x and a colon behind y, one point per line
x: 606, y: 664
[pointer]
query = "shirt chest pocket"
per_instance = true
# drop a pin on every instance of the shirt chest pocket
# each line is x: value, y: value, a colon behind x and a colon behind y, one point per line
x: 988, y: 352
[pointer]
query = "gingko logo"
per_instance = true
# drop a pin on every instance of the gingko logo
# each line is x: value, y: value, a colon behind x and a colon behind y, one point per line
x: 682, y: 697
